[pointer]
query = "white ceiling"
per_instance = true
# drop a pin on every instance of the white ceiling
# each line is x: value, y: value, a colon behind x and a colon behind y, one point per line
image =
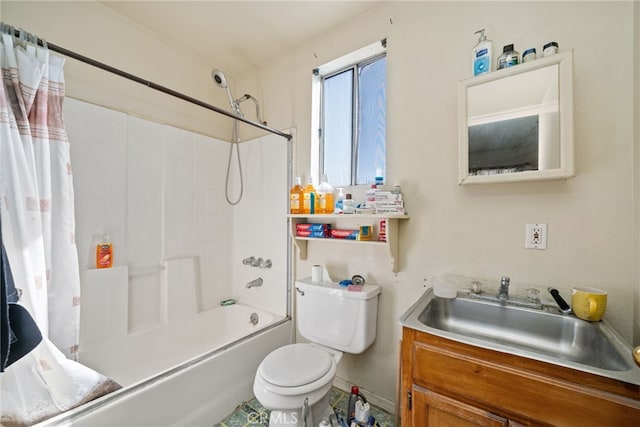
x: 237, y: 36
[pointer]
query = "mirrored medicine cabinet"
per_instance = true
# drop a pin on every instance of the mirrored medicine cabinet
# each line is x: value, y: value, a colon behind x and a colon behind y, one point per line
x: 516, y: 124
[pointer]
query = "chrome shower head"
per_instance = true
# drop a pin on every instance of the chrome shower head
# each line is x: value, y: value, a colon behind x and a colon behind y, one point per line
x: 218, y: 77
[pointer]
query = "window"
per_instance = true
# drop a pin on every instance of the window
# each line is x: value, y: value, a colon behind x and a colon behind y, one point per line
x: 351, y: 108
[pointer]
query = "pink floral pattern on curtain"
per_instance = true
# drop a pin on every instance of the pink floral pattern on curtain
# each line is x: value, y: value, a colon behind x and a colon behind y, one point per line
x: 38, y: 223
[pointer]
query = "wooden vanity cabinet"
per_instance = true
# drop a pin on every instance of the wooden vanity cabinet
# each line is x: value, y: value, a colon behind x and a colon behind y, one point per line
x: 447, y: 383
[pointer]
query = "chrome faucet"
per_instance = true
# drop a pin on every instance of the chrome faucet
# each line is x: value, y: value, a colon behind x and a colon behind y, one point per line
x: 503, y: 293
x: 250, y: 261
x: 254, y: 282
x: 260, y: 262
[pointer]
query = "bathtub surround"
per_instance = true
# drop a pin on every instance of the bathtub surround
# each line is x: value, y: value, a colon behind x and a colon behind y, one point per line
x: 178, y: 252
x: 162, y: 201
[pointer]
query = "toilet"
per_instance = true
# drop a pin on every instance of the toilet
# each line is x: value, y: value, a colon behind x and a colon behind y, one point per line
x: 294, y: 381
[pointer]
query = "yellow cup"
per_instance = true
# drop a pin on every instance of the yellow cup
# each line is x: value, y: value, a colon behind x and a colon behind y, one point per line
x: 588, y: 303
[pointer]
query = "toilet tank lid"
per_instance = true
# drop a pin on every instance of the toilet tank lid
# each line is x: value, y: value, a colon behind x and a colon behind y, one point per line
x: 367, y: 292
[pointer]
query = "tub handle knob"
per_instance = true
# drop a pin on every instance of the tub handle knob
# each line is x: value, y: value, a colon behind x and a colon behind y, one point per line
x: 265, y: 263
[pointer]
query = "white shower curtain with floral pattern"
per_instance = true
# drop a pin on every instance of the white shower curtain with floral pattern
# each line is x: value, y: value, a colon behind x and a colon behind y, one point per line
x: 38, y: 226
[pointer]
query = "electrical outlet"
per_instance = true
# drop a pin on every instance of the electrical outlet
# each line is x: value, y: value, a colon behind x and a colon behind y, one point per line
x: 536, y: 236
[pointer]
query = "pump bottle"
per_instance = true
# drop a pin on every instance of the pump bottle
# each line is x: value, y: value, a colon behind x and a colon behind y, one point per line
x: 482, y: 55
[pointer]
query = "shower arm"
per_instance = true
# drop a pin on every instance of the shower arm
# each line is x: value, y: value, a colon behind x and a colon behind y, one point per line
x: 255, y: 101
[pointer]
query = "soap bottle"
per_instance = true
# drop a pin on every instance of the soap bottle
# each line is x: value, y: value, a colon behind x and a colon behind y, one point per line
x: 309, y: 198
x: 339, y: 205
x: 509, y: 57
x: 325, y: 196
x: 349, y: 205
x: 296, y: 197
x: 482, y: 54
x: 104, y: 252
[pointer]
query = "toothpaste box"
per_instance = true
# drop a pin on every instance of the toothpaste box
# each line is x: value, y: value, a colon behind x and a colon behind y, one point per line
x: 313, y: 227
x: 387, y: 196
x: 345, y: 234
x: 309, y: 233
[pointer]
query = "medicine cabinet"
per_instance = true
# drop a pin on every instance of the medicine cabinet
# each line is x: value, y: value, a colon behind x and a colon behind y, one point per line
x: 516, y: 124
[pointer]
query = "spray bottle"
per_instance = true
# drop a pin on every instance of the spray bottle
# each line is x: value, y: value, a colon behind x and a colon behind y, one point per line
x: 353, y: 398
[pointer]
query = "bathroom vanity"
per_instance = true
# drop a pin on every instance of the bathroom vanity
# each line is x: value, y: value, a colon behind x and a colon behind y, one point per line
x: 449, y: 379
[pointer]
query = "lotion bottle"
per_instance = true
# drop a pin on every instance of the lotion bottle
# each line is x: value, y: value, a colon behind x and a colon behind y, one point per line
x: 482, y: 55
x: 339, y: 204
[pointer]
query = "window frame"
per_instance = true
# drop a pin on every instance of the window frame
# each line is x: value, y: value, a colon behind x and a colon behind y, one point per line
x: 353, y: 61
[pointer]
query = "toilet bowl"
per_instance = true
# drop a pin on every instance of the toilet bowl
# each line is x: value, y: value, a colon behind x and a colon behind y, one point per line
x: 294, y: 381
x: 293, y: 374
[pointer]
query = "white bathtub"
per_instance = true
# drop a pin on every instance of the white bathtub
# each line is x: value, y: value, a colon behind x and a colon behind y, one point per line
x: 191, y: 373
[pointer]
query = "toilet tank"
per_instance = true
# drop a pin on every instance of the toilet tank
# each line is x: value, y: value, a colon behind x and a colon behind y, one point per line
x: 331, y: 315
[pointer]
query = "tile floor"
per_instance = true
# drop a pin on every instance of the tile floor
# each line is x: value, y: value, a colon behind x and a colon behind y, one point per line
x: 252, y: 413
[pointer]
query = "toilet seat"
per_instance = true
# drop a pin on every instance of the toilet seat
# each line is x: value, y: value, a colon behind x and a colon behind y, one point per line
x: 283, y: 364
x: 295, y: 365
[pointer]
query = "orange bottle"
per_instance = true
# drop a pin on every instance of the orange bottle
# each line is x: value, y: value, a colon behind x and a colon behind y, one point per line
x: 104, y: 253
x: 310, y: 204
x: 325, y: 197
x: 296, y: 197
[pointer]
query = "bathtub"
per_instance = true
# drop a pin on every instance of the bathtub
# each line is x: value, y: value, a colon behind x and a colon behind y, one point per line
x: 199, y: 370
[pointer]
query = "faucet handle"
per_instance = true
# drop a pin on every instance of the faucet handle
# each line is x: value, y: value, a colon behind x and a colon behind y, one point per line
x: 265, y: 263
x: 562, y: 304
x: 504, y: 281
x: 249, y: 261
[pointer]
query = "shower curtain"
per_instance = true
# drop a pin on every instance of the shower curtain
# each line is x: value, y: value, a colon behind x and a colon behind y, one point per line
x: 37, y: 223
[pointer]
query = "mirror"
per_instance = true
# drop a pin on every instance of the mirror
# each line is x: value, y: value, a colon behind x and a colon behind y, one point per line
x: 516, y: 124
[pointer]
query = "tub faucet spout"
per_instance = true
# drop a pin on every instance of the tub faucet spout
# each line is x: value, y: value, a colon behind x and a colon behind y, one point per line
x: 254, y: 282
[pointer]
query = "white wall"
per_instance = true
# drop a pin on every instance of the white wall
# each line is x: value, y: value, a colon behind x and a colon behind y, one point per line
x: 473, y: 231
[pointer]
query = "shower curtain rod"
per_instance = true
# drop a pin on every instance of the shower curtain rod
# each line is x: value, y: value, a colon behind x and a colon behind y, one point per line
x: 121, y: 73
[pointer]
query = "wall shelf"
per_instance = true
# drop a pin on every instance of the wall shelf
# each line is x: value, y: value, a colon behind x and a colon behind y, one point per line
x: 350, y: 221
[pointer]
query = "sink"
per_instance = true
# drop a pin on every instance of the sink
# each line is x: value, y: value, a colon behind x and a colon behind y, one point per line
x: 563, y: 340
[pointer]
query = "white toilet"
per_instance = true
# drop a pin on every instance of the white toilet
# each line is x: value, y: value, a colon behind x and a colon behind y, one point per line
x: 295, y: 380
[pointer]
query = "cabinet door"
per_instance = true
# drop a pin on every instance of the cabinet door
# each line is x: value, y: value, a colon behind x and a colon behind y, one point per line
x: 435, y: 410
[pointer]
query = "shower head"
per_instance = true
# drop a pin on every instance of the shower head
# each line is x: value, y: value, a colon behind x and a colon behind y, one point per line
x: 218, y: 77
